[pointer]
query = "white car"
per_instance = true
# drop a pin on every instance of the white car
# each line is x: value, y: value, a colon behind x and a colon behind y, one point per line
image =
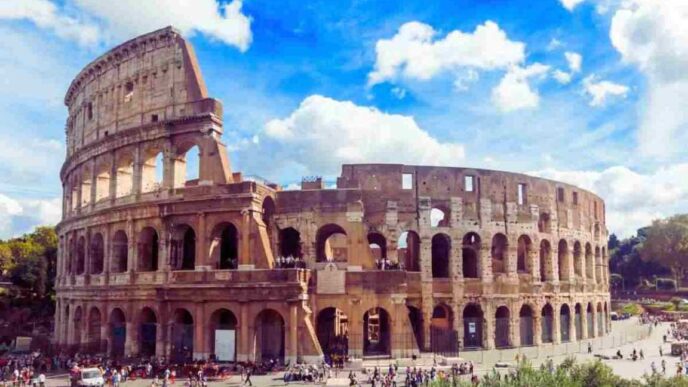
x: 90, y: 377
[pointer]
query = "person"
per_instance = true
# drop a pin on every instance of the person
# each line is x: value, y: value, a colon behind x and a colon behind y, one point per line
x: 115, y: 378
x: 618, y: 354
x: 248, y: 377
x: 589, y: 347
x: 660, y: 351
x: 653, y: 367
x: 41, y: 380
x: 663, y: 367
x: 642, y: 355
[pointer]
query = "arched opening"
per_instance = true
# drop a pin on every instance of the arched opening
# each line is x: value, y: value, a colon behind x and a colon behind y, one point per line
x: 499, y: 251
x: 223, y: 337
x: 416, y: 319
x: 469, y: 255
x: 152, y: 170
x: 125, y: 174
x: 224, y: 246
x: 589, y: 263
x: 93, y: 332
x: 183, y: 248
x: 523, y: 253
x: 502, y: 317
x: 563, y: 260
x: 289, y: 247
x: 443, y: 338
x: 409, y: 250
x: 525, y: 322
x: 148, y: 249
x: 441, y: 317
x: 544, y: 223
x: 600, y: 320
x: 596, y: 231
x: 565, y: 323
x: 441, y: 248
x: 333, y: 334
x: 118, y: 333
x: 120, y: 252
x: 378, y: 247
x: 81, y: 256
x: 71, y: 256
x: 579, y: 321
x: 590, y: 322
x: 97, y: 254
x: 439, y: 217
x: 269, y: 336
x: 148, y: 332
x: 547, y: 324
x: 182, y: 336
x: 192, y: 165
x: 102, y: 180
x: 376, y: 327
x: 86, y: 187
x: 472, y: 326
x: 578, y: 260
x: 545, y: 261
x: 331, y: 244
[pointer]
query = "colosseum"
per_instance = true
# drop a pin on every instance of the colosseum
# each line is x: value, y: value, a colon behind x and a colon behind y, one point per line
x: 164, y: 250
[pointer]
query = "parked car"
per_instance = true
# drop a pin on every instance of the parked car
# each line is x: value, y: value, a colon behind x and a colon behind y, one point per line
x: 90, y: 377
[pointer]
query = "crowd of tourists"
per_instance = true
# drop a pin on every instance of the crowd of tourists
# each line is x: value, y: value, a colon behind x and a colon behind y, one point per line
x: 290, y: 263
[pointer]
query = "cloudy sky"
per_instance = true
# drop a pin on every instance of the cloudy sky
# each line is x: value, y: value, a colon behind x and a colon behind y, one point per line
x: 591, y: 92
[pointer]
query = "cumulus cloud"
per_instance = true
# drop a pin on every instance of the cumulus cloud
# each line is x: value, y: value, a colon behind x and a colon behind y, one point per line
x: 632, y: 199
x: 561, y: 76
x: 570, y: 4
x: 652, y: 35
x: 601, y: 91
x: 415, y: 52
x: 575, y: 61
x: 18, y: 216
x: 323, y: 133
x: 514, y: 92
x: 93, y: 21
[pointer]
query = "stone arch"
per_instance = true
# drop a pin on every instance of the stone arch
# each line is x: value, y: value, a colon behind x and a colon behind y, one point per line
x: 441, y: 251
x: 589, y: 264
x: 523, y: 254
x: 222, y: 322
x: 442, y: 317
x: 148, y: 249
x: 124, y: 164
x: 409, y: 250
x: 183, y: 248
x: 472, y: 326
x: 470, y: 255
x: 502, y: 327
x: 269, y: 336
x: 152, y: 169
x: 332, y: 326
x: 544, y: 223
x: 526, y: 325
x: 589, y: 320
x: 578, y: 320
x: 224, y: 246
x: 148, y: 332
x: 290, y: 243
x: 331, y: 244
x: 192, y: 165
x: 268, y: 213
x: 86, y: 181
x: 563, y: 260
x: 94, y: 328
x: 118, y: 332
x: 182, y: 336
x: 578, y: 264
x: 500, y: 245
x: 547, y: 321
x: 81, y: 256
x: 377, y: 332
x: 545, y: 261
x: 120, y: 252
x: 377, y: 245
x: 565, y: 323
x: 102, y: 176
x: 97, y: 253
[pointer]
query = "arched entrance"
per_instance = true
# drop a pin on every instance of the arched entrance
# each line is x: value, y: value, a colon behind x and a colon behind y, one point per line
x: 547, y: 324
x: 444, y: 339
x: 579, y: 322
x: 118, y: 332
x: 590, y: 322
x: 94, y: 327
x: 223, y: 337
x: 97, y: 254
x: 148, y: 331
x: 182, y: 335
x: 499, y: 248
x: 502, y: 317
x: 565, y: 323
x: 472, y: 326
x: 376, y: 326
x: 333, y: 333
x: 269, y: 336
x: 525, y: 322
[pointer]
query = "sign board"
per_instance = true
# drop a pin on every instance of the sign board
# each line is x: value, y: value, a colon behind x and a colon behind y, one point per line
x: 225, y: 344
x: 471, y: 327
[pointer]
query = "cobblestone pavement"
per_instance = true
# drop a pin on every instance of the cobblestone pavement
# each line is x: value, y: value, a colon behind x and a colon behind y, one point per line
x: 626, y: 368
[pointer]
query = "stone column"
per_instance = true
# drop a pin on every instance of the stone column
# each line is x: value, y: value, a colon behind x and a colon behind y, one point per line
x: 537, y: 328
x: 94, y: 183
x: 512, y: 258
x: 132, y: 250
x: 556, y: 325
x: 130, y: 343
x: 113, y: 178
x: 245, y: 261
x: 202, y: 244
x: 485, y: 262
x: 534, y: 259
x: 243, y: 349
x: 488, y: 327
x: 554, y: 264
x: 572, y: 324
x: 292, y: 348
x: 584, y: 323
x: 138, y: 171
x: 514, y: 325
x: 199, y: 344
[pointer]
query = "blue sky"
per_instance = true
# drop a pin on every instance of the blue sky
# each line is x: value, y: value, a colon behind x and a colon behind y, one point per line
x: 586, y: 91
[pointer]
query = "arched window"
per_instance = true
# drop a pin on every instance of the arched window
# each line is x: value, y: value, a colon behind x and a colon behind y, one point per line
x: 192, y: 164
x: 544, y: 223
x: 81, y: 256
x: 378, y: 246
x: 269, y: 336
x: 523, y: 254
x: 470, y: 253
x: 598, y: 265
x: 547, y: 324
x: 565, y: 323
x: 409, y: 250
x: 589, y: 263
x: 578, y: 264
x: 97, y: 253
x: 502, y: 327
x: 152, y: 170
x: 224, y: 248
x: 331, y: 244
x: 499, y: 252
x: 125, y: 174
x: 545, y: 261
x: 118, y: 332
x: 563, y: 260
x: 148, y: 332
x: 148, y: 249
x: 526, y: 325
x: 182, y: 336
x: 120, y: 252
x: 472, y: 326
x: 290, y: 243
x: 183, y: 248
x: 441, y: 249
x: 376, y: 327
x: 102, y: 180
x: 86, y: 186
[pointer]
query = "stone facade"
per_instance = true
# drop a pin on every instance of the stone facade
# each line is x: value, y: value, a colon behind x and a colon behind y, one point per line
x: 395, y: 260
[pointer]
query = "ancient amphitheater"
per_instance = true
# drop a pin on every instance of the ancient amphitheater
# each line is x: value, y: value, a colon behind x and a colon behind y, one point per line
x: 162, y: 255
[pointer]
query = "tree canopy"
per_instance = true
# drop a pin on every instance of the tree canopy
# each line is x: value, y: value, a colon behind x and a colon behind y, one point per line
x: 29, y: 262
x: 666, y: 242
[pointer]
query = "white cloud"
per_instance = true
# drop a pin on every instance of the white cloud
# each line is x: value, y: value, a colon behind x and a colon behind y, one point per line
x: 415, y: 53
x: 653, y: 35
x: 570, y: 4
x: 601, y: 91
x: 399, y: 92
x: 554, y: 44
x: 92, y: 21
x: 562, y: 77
x: 323, y: 133
x: 45, y: 14
x: 575, y: 61
x: 18, y: 216
x: 514, y: 92
x: 632, y: 199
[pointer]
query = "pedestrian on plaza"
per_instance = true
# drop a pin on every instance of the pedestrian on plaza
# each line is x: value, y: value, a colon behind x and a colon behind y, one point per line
x: 248, y: 377
x: 660, y: 351
x: 41, y: 380
x: 642, y: 355
x: 653, y: 367
x: 589, y: 347
x: 663, y: 367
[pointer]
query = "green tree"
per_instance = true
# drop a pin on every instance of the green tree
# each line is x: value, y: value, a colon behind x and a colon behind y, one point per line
x: 667, y: 243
